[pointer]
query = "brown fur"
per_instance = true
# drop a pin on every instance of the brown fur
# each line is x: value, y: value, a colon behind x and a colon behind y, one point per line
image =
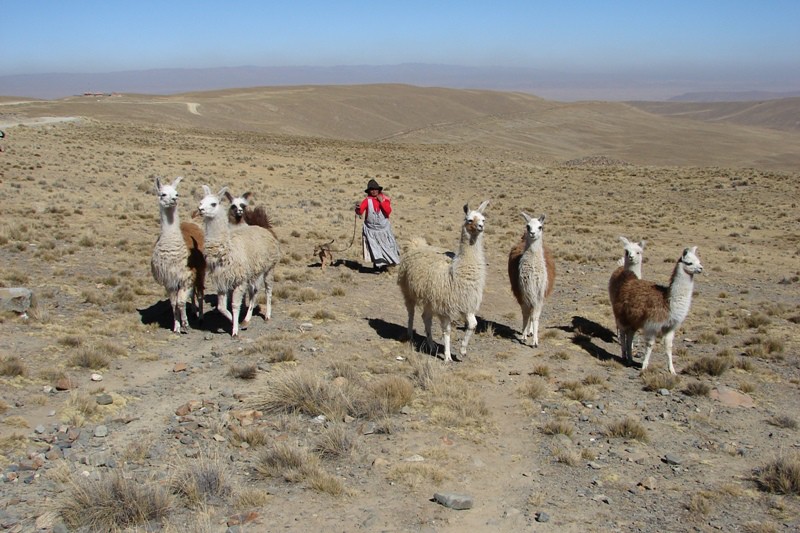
x: 639, y: 300
x: 194, y: 239
x: 513, y: 269
x: 325, y: 254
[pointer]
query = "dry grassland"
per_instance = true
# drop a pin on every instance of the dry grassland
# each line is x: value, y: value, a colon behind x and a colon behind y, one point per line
x: 323, y: 417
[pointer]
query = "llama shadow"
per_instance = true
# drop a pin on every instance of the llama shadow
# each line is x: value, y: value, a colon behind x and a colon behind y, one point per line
x: 585, y: 330
x: 387, y: 330
x: 500, y: 330
x: 216, y: 322
x: 161, y: 313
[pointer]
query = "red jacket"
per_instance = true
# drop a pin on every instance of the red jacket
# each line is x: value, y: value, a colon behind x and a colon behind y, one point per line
x: 385, y: 206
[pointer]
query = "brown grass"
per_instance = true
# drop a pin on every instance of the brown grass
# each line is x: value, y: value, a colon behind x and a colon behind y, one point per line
x: 12, y: 367
x: 780, y: 476
x: 627, y: 428
x: 558, y: 427
x: 534, y: 388
x: 654, y: 380
x: 203, y: 480
x: 697, y: 388
x: 709, y: 365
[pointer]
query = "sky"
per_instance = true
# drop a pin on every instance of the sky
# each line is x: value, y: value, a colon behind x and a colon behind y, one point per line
x: 753, y: 39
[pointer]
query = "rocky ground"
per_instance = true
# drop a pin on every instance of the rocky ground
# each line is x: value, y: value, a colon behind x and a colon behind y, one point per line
x: 101, y: 398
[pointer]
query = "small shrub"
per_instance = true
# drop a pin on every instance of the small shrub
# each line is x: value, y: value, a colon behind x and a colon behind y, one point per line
x: 336, y: 441
x: 201, y: 481
x: 558, y: 427
x: 628, y: 428
x: 710, y: 365
x: 656, y: 380
x: 783, y: 421
x: 89, y: 357
x: 697, y: 388
x: 781, y: 476
x: 248, y: 371
x: 534, y: 388
x: 12, y: 367
x: 541, y: 370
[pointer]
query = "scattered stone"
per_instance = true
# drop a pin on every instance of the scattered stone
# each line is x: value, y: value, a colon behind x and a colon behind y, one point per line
x: 451, y: 500
x: 664, y: 392
x: 731, y: 398
x: 672, y: 459
x: 180, y: 367
x: 319, y: 419
x: 15, y: 299
x: 97, y: 377
x: 39, y: 429
x: 416, y: 458
x: 601, y: 498
x: 186, y: 439
x: 101, y: 431
x: 595, y: 466
x: 53, y: 454
x: 542, y: 517
x: 379, y: 462
x: 188, y: 407
x: 64, y: 383
x: 104, y: 399
x: 217, y: 437
x: 369, y: 428
x: 243, y: 518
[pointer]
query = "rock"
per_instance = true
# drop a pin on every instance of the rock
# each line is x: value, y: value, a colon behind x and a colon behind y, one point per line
x: 180, y: 367
x: 100, y: 431
x: 15, y: 299
x: 731, y: 398
x: 542, y: 517
x: 416, y: 458
x: 379, y: 462
x: 186, y: 439
x: 96, y: 377
x: 648, y: 483
x: 188, y: 407
x: 104, y: 399
x: 672, y: 459
x: 455, y: 501
x: 664, y: 392
x: 64, y: 383
x: 39, y: 429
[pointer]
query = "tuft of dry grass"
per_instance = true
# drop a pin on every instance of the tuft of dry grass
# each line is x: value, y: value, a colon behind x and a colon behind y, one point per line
x: 780, y: 476
x: 335, y: 441
x: 114, y: 503
x: 702, y: 502
x: 541, y: 370
x: 384, y: 397
x: 415, y: 474
x: 783, y: 421
x: 302, y: 391
x: 654, y: 380
x: 710, y: 365
x: 253, y: 436
x: 558, y: 427
x: 246, y: 371
x: 628, y: 428
x: 12, y: 367
x: 425, y: 372
x: 697, y: 388
x: 295, y: 464
x: 203, y: 480
x: 534, y: 388
x: 566, y: 456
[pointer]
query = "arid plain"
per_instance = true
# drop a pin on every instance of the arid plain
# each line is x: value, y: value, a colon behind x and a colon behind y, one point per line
x: 323, y: 417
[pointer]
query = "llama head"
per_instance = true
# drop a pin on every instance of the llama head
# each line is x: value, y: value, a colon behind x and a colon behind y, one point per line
x: 167, y: 192
x: 238, y: 205
x: 211, y: 205
x: 690, y: 262
x: 534, y: 227
x: 633, y: 252
x: 474, y: 221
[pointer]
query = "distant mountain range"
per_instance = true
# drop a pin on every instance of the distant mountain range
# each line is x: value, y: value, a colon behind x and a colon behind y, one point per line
x: 550, y: 84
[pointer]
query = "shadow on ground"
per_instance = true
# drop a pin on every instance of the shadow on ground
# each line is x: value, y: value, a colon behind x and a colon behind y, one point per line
x: 585, y: 332
x: 161, y: 313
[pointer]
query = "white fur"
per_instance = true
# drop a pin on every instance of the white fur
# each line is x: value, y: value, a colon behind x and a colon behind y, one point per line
x: 236, y: 259
x: 533, y: 283
x: 448, y: 289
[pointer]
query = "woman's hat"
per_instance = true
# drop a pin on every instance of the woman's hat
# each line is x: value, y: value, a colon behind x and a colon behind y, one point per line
x: 373, y: 185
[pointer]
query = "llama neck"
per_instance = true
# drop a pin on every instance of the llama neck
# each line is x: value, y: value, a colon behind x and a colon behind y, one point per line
x: 534, y: 247
x: 169, y: 219
x: 681, y: 286
x: 636, y: 268
x: 470, y: 250
x: 216, y: 231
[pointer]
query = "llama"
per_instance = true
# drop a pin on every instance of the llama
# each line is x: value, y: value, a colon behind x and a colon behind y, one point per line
x: 656, y: 310
x: 532, y: 273
x: 631, y: 262
x: 448, y: 288
x: 178, y: 262
x: 236, y: 259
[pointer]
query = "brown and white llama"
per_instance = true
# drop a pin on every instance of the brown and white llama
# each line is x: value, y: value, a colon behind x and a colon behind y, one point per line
x: 631, y: 262
x: 532, y: 273
x: 240, y: 213
x: 237, y: 258
x: 177, y: 262
x: 654, y: 309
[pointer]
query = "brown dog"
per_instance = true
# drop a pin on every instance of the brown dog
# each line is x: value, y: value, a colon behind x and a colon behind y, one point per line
x: 325, y: 254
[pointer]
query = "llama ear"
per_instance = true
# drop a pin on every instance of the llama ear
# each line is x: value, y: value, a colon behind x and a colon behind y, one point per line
x: 541, y: 219
x: 176, y: 181
x: 483, y: 206
x: 158, y: 185
x: 221, y: 192
x: 693, y: 249
x: 624, y: 241
x: 247, y: 195
x: 642, y: 243
x: 526, y: 216
x: 228, y: 196
x: 466, y: 209
x: 206, y: 190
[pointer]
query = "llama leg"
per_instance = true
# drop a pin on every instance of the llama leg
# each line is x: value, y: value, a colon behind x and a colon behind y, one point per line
x: 446, y: 339
x: 537, y: 312
x: 236, y: 304
x: 182, y: 300
x: 198, y: 297
x: 222, y: 305
x: 427, y: 319
x: 526, y: 323
x: 649, y: 341
x: 472, y: 323
x: 410, y: 331
x: 668, y: 338
x: 250, y: 298
x: 269, y: 281
x: 176, y: 312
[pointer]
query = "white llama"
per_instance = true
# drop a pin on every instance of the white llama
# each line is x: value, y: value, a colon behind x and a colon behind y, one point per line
x: 532, y: 273
x: 656, y: 310
x: 450, y: 289
x: 237, y: 258
x: 631, y: 262
x: 177, y: 262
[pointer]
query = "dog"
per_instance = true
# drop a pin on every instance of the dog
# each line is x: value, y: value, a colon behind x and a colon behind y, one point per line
x: 325, y: 254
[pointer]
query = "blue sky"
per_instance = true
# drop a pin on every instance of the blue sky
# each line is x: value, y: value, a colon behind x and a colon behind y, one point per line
x: 752, y: 38
x: 98, y: 36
